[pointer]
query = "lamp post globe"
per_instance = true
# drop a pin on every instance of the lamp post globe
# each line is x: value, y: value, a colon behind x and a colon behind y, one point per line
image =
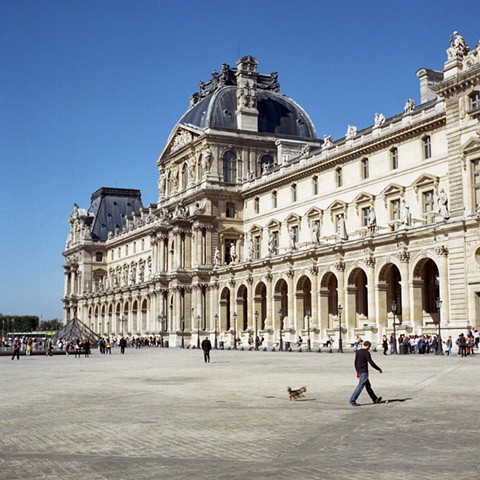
x: 256, y: 330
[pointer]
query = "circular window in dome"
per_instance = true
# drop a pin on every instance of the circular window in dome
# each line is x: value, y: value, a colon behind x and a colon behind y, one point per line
x: 299, y: 121
x: 226, y: 112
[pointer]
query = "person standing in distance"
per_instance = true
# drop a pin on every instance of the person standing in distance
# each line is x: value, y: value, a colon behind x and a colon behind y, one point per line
x: 206, y: 347
x: 362, y: 359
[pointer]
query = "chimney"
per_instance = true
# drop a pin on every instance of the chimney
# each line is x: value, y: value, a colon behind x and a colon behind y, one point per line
x: 428, y: 79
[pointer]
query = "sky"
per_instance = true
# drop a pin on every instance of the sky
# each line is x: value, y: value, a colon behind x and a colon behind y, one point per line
x: 90, y: 91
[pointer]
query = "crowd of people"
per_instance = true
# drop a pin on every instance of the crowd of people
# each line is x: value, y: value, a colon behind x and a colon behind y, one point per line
x: 465, y: 344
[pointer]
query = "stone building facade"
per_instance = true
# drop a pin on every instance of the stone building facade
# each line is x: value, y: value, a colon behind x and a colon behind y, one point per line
x: 261, y: 228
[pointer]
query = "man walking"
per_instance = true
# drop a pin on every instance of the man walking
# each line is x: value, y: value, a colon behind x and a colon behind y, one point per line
x: 206, y: 347
x: 362, y: 359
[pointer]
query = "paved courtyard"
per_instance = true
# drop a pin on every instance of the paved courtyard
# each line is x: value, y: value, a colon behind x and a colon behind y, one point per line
x: 164, y: 413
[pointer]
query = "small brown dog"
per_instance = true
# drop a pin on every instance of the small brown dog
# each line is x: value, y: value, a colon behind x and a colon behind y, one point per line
x: 296, y: 394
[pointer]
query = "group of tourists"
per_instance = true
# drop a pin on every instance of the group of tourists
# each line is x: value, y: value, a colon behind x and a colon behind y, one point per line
x: 430, y: 344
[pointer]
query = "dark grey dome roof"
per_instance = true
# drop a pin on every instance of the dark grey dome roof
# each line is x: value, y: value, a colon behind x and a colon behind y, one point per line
x: 215, y: 105
x: 278, y: 114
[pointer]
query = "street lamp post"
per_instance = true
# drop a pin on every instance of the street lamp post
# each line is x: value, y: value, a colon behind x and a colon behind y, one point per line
x: 439, y: 306
x: 100, y: 328
x: 394, y: 310
x: 198, y: 331
x: 108, y: 329
x: 235, y: 330
x: 123, y: 321
x: 216, y: 328
x: 256, y: 330
x: 309, y: 348
x: 340, y: 341
x: 280, y: 313
x: 183, y: 332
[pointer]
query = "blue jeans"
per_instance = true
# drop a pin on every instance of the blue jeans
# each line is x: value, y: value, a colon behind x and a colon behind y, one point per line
x: 363, y: 382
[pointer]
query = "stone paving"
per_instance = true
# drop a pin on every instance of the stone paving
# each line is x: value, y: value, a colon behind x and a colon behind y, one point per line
x: 164, y: 413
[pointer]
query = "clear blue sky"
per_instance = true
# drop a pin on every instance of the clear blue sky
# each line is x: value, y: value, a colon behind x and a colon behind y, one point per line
x: 90, y: 90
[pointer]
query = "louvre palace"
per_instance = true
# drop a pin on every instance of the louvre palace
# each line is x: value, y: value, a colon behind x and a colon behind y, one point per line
x: 262, y: 229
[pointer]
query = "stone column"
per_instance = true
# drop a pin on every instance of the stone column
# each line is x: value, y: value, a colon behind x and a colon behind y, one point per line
x: 291, y: 300
x: 442, y: 252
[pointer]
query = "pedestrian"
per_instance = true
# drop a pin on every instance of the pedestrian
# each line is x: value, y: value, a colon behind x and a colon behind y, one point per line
x: 449, y: 345
x: 16, y: 349
x: 362, y: 359
x: 206, y: 347
x: 385, y: 344
x: 123, y: 344
x: 87, y: 347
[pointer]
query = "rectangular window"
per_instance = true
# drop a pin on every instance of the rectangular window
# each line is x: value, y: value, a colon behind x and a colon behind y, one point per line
x: 394, y: 158
x: 428, y: 206
x: 339, y: 179
x: 427, y: 147
x: 395, y: 209
x: 294, y: 193
x: 365, y: 168
x: 476, y: 182
x: 475, y: 101
x: 230, y: 210
x: 365, y: 214
x: 257, y: 205
x: 257, y: 247
x: 315, y: 185
x: 274, y: 246
x: 274, y: 199
x: 294, y: 231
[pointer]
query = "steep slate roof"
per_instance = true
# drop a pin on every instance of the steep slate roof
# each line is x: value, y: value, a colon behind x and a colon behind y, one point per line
x: 109, y: 207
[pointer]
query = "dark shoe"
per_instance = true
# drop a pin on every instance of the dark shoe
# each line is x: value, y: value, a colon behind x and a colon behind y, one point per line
x: 378, y: 400
x: 354, y: 404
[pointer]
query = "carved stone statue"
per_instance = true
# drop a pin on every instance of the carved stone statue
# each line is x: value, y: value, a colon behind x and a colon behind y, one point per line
x: 292, y: 240
x: 316, y: 231
x: 327, y: 141
x: 250, y: 249
x: 271, y: 243
x: 372, y: 220
x: 216, y: 257
x: 458, y: 46
x: 405, y: 215
x: 233, y: 253
x: 206, y: 159
x: 409, y: 106
x: 379, y: 119
x: 342, y: 228
x: 351, y: 132
x: 442, y: 202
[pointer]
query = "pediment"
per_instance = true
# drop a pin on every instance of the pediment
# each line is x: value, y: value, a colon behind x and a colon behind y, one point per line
x: 274, y: 224
x: 180, y: 137
x: 293, y: 218
x: 393, y: 189
x: 425, y: 180
x: 314, y: 212
x: 337, y: 205
x: 364, y: 197
x: 255, y: 228
x: 471, y: 146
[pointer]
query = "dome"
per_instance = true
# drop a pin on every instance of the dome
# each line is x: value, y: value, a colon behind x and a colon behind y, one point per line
x: 215, y: 107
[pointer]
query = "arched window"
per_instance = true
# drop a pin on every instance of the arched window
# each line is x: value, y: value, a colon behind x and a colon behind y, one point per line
x: 266, y: 163
x: 294, y: 192
x: 229, y: 167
